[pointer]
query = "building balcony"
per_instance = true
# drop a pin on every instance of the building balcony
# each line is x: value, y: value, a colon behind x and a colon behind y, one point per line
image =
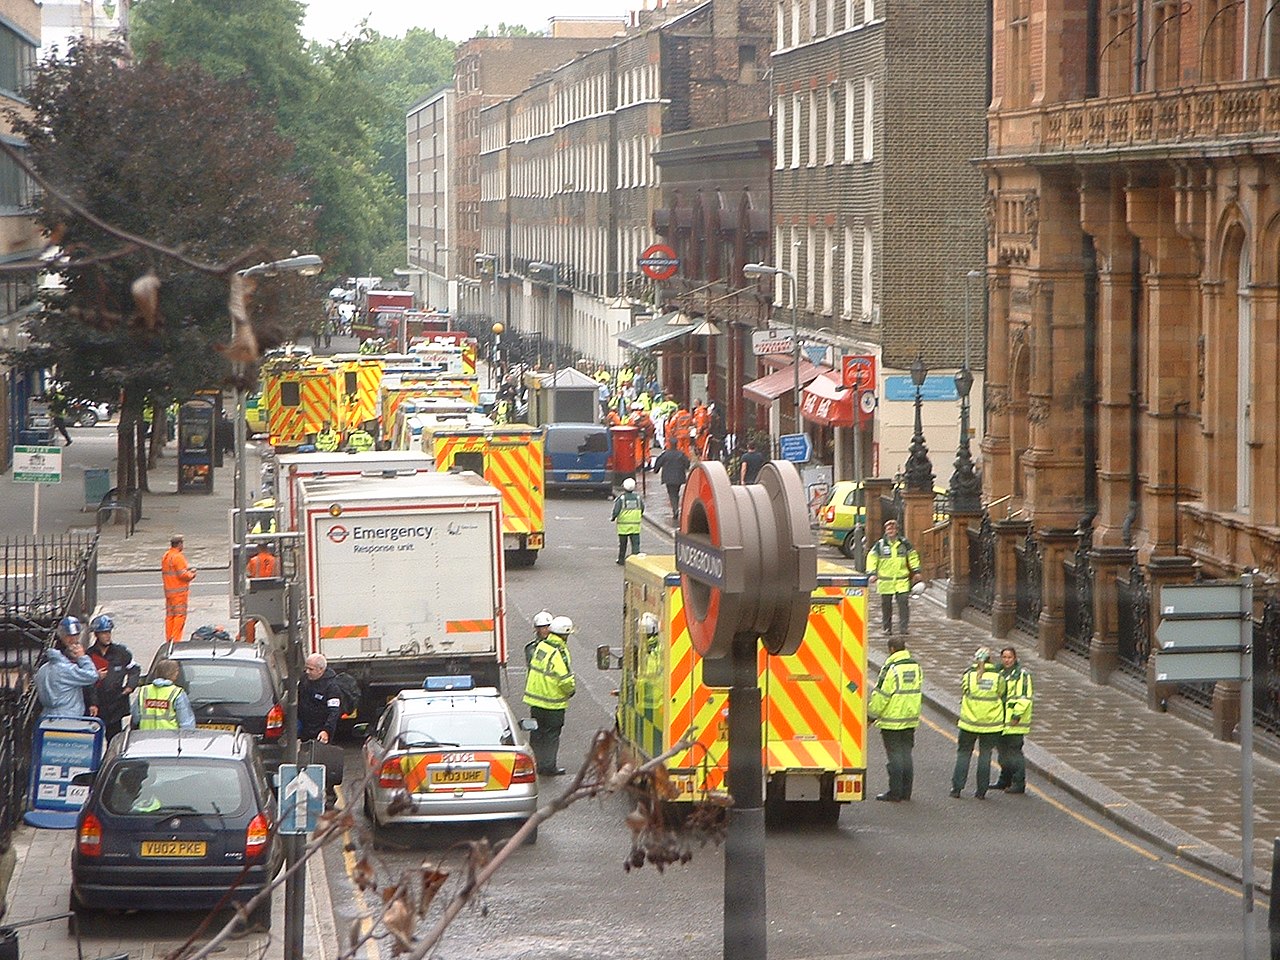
x: 1201, y: 121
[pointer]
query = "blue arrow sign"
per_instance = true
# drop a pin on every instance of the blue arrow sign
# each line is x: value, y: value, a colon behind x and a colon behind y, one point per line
x: 301, y: 797
x: 795, y: 447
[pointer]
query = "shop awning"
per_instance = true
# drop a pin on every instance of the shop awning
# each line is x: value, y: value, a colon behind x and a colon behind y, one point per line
x: 825, y: 401
x: 770, y: 387
x: 651, y: 333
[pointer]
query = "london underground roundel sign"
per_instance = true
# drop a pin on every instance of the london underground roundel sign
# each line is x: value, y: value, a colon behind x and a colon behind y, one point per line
x: 747, y: 560
x: 659, y: 262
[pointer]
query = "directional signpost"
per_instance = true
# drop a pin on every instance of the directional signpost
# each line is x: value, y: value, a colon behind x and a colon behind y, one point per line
x: 1206, y: 633
x: 301, y: 797
x: 796, y: 447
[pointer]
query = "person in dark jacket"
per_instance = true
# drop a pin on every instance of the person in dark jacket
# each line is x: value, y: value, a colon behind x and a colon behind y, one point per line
x: 673, y: 467
x: 319, y: 701
x: 118, y: 676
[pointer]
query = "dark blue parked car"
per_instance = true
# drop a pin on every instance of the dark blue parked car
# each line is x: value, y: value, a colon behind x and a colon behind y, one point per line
x: 579, y: 456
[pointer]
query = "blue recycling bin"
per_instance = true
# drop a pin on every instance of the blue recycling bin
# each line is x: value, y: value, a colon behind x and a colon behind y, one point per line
x: 97, y: 483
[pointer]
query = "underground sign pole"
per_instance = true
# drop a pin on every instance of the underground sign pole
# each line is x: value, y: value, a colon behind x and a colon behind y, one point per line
x: 748, y: 566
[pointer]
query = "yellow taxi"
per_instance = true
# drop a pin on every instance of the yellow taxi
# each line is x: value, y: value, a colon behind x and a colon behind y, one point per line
x: 845, y: 509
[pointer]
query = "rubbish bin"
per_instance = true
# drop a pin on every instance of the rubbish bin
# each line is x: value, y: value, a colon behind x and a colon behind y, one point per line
x: 625, y: 456
x: 97, y: 481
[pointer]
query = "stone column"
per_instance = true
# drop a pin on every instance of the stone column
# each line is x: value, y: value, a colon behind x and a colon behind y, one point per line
x: 919, y: 518
x: 958, y: 584
x: 1004, y: 606
x: 1162, y: 571
x: 1056, y: 547
x: 1104, y: 648
x: 873, y: 489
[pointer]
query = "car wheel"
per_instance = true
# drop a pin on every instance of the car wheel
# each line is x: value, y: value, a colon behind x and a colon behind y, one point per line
x: 849, y: 545
x: 88, y: 418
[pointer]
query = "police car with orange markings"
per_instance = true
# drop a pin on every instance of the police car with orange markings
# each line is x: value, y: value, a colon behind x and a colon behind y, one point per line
x: 448, y: 753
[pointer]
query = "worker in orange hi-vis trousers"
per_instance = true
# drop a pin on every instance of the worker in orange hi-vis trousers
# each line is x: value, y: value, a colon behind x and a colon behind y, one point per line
x: 702, y: 424
x: 680, y: 431
x: 178, y: 575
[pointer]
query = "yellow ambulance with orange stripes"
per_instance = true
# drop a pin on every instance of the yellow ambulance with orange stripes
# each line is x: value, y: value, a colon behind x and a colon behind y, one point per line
x: 814, y: 701
x: 511, y: 458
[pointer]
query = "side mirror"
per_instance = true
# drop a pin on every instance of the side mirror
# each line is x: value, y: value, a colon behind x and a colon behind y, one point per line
x: 608, y: 658
x: 84, y: 779
x: 360, y: 729
x: 528, y: 724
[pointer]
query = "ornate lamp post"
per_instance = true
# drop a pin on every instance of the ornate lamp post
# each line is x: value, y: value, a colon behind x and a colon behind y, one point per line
x: 966, y: 489
x: 768, y: 270
x: 919, y: 471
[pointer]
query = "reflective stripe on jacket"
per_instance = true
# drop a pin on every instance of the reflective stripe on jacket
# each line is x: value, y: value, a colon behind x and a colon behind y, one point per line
x: 892, y: 562
x: 1018, y: 697
x: 156, y: 709
x: 550, y: 683
x: 628, y: 509
x: 982, y: 701
x: 895, y: 701
x: 176, y: 572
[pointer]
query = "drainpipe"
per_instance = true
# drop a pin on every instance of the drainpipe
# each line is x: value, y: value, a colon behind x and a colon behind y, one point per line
x: 1135, y: 304
x: 1090, y: 405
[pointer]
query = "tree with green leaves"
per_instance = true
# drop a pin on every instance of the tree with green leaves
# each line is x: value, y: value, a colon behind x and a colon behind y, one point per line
x: 141, y: 149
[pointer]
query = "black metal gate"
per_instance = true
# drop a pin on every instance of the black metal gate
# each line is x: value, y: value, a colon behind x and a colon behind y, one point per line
x: 1030, y: 586
x: 1078, y: 600
x: 42, y: 580
x: 1266, y: 666
x: 982, y: 565
x: 1133, y: 596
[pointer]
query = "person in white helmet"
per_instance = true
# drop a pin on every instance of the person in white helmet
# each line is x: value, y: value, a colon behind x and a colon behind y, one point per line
x: 541, y: 628
x: 628, y: 509
x: 547, y: 690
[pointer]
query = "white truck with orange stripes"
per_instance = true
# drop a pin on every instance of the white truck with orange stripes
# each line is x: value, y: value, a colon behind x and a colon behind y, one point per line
x: 404, y: 578
x: 814, y: 701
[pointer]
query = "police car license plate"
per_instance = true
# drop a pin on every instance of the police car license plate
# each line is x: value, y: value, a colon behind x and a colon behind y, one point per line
x: 578, y: 476
x: 173, y: 848
x: 460, y: 778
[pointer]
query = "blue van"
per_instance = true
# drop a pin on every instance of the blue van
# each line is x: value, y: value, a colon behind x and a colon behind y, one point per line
x: 579, y: 456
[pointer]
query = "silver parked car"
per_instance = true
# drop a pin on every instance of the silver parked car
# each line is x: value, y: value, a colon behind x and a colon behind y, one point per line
x: 447, y: 756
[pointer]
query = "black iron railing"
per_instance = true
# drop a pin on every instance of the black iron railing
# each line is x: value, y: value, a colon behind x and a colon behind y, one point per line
x: 1030, y: 586
x: 1078, y: 588
x: 1133, y: 597
x: 982, y: 565
x: 1266, y: 666
x: 42, y: 580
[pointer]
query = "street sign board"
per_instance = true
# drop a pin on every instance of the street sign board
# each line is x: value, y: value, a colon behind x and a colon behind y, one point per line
x: 765, y: 343
x: 796, y: 447
x: 1193, y: 600
x: 37, y: 464
x: 1180, y: 636
x: 659, y: 262
x: 1184, y: 667
x: 858, y: 371
x: 301, y: 797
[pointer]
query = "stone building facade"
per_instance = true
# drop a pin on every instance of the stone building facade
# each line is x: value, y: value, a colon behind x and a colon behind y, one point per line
x: 20, y: 236
x: 583, y: 184
x: 1134, y: 284
x: 878, y: 208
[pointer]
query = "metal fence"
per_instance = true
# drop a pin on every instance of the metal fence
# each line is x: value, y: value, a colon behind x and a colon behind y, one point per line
x: 1030, y: 586
x: 982, y: 565
x: 1266, y: 665
x: 1133, y: 596
x: 1078, y: 600
x: 42, y: 580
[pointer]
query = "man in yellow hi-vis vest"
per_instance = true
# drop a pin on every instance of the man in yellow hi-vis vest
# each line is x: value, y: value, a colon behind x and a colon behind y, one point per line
x: 892, y: 561
x: 162, y: 704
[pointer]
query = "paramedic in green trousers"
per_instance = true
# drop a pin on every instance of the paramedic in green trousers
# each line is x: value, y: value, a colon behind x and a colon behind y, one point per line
x: 895, y: 707
x: 628, y: 509
x: 1018, y: 696
x: 981, y: 720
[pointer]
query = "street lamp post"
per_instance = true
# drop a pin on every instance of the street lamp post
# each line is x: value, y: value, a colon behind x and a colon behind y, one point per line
x: 965, y: 488
x: 768, y: 270
x: 541, y: 266
x: 919, y: 471
x: 308, y: 265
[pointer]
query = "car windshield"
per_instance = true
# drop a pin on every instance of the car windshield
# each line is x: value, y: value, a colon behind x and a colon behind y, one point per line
x: 224, y: 681
x: 456, y: 729
x: 188, y: 784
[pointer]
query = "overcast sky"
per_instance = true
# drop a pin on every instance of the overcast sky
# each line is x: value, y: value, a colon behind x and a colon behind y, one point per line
x: 331, y: 19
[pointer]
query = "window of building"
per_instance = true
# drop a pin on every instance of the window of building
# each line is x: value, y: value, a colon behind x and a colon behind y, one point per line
x: 1117, y: 48
x: 794, y: 264
x: 1219, y: 53
x: 813, y: 128
x: 813, y: 18
x: 17, y: 191
x: 868, y: 120
x: 1018, y: 61
x: 828, y: 263
x: 778, y: 247
x: 795, y: 21
x: 795, y: 131
x: 810, y: 270
x: 868, y: 11
x: 849, y: 148
x: 850, y: 13
x: 780, y: 31
x: 747, y: 63
x: 868, y: 272
x: 848, y: 272
x: 829, y: 25
x: 780, y: 137
x: 830, y: 126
